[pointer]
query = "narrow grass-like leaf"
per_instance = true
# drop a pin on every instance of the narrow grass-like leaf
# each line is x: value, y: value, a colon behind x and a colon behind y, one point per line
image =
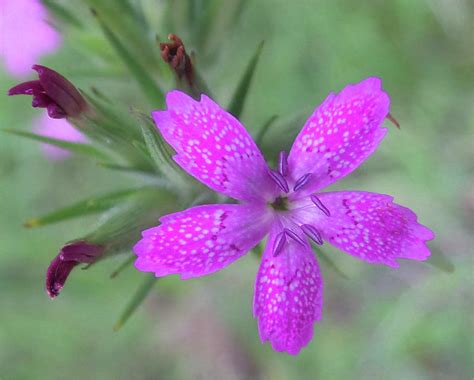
x: 84, y: 207
x: 240, y: 95
x: 143, y: 78
x: 263, y: 130
x: 62, y: 13
x: 440, y: 261
x: 79, y: 148
x: 136, y: 301
x: 324, y: 257
x: 161, y: 153
x: 124, y: 265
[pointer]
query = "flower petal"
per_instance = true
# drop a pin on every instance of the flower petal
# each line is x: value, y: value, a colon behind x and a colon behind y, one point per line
x: 201, y: 240
x: 368, y: 226
x: 288, y: 295
x: 214, y: 147
x: 26, y: 35
x: 341, y: 133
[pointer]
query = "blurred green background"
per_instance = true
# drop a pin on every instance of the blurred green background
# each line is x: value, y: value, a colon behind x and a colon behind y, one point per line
x: 414, y: 322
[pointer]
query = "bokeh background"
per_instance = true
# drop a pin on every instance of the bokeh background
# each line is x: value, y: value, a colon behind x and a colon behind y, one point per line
x: 414, y: 322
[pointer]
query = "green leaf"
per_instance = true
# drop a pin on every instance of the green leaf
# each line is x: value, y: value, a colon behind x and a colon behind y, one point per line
x: 124, y: 265
x: 325, y: 258
x: 263, y: 130
x: 78, y: 148
x: 62, y: 13
x: 84, y: 207
x: 240, y: 95
x: 143, y: 78
x: 439, y: 260
x: 162, y: 154
x: 136, y: 301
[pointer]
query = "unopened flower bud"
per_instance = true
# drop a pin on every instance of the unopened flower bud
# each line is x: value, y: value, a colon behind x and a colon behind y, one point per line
x: 71, y: 255
x: 53, y: 92
x: 175, y: 54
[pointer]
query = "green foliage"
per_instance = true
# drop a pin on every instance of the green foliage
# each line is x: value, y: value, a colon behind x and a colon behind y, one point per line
x: 79, y: 148
x: 240, y: 95
x: 418, y: 317
x: 136, y: 301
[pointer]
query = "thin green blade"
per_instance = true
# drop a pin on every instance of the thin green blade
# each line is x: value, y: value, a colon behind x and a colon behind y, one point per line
x: 84, y: 207
x: 79, y: 148
x: 136, y: 301
x: 143, y: 78
x: 240, y: 95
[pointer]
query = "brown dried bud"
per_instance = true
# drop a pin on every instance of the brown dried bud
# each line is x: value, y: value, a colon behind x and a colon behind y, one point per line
x: 175, y: 54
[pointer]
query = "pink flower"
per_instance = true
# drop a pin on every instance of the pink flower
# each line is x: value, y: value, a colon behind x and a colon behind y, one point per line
x: 286, y: 204
x: 25, y: 35
x: 59, y: 129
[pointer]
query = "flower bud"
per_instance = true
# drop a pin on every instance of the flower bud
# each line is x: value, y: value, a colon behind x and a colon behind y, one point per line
x: 72, y: 254
x: 175, y: 54
x: 53, y: 92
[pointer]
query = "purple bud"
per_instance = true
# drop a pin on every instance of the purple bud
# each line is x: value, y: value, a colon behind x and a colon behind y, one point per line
x: 72, y: 254
x: 280, y: 242
x: 312, y: 233
x: 41, y: 100
x: 302, y: 181
x: 54, y: 92
x: 294, y: 236
x: 283, y: 163
x: 279, y: 180
x: 320, y: 205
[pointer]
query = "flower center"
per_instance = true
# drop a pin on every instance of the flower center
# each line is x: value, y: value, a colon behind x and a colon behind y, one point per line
x: 280, y: 204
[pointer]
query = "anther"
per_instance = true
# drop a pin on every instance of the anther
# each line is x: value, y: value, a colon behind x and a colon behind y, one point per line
x: 302, y: 181
x: 280, y: 242
x: 312, y: 233
x: 283, y: 163
x: 279, y: 180
x: 294, y: 236
x: 320, y: 205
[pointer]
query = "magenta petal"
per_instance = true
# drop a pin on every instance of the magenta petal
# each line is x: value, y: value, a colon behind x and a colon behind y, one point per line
x: 288, y: 295
x: 368, y: 226
x: 202, y: 239
x: 214, y: 147
x: 340, y: 134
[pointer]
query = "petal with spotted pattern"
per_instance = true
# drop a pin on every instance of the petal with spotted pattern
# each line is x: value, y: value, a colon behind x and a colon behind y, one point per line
x: 341, y: 133
x: 201, y: 240
x: 368, y: 226
x: 288, y: 296
x: 214, y: 147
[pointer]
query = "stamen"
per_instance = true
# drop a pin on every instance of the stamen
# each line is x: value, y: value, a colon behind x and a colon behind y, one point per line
x: 302, y: 181
x: 279, y: 180
x: 312, y: 233
x: 294, y: 236
x: 280, y: 242
x: 283, y: 163
x: 320, y: 205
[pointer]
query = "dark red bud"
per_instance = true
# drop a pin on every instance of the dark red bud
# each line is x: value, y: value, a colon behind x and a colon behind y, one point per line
x: 72, y: 254
x: 54, y: 92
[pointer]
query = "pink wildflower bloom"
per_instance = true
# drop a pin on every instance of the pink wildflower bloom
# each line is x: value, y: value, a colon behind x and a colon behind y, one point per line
x: 59, y: 129
x: 286, y: 204
x: 25, y: 35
